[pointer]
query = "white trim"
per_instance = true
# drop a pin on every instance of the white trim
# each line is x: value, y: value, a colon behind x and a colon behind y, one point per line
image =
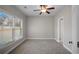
x: 41, y: 38
x: 58, y: 41
x: 67, y: 48
x: 58, y: 27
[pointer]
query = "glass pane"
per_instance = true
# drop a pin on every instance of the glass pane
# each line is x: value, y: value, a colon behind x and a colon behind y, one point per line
x: 10, y: 28
x: 7, y: 34
x: 5, y: 29
x: 1, y: 41
x: 17, y: 28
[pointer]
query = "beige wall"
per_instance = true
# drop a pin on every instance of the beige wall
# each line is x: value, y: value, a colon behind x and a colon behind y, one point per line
x: 40, y: 27
x: 66, y: 13
x: 75, y: 30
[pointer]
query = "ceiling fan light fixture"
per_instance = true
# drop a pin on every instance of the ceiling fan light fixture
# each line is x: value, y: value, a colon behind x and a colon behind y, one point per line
x: 44, y: 10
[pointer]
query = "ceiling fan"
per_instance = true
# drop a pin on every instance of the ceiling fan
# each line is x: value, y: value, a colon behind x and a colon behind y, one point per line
x: 44, y: 9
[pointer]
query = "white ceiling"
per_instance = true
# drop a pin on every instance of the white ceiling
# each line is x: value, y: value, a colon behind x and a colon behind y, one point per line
x: 28, y: 11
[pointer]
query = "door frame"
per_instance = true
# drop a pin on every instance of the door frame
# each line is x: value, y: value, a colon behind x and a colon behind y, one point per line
x: 59, y: 30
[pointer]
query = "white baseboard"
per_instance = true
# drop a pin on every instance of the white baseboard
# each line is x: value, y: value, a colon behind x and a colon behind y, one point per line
x: 67, y: 48
x: 41, y: 38
x: 57, y: 41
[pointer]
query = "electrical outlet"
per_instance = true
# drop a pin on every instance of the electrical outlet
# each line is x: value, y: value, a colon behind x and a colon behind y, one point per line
x: 78, y: 44
x: 70, y: 42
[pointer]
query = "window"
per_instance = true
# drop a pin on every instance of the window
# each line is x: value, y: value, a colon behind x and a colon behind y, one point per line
x: 18, y: 31
x: 10, y: 28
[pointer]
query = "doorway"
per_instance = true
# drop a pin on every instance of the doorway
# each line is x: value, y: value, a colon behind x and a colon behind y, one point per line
x: 60, y: 30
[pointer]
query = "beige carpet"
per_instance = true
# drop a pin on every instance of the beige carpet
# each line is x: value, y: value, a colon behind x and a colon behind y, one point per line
x: 40, y: 47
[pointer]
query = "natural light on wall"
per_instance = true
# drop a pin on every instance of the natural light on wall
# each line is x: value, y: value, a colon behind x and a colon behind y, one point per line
x: 10, y: 28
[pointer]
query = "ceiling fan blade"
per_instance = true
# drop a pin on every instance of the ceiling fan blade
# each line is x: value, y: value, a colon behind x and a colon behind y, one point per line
x: 43, y: 5
x: 50, y: 8
x: 40, y: 13
x: 47, y: 12
x: 37, y: 10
